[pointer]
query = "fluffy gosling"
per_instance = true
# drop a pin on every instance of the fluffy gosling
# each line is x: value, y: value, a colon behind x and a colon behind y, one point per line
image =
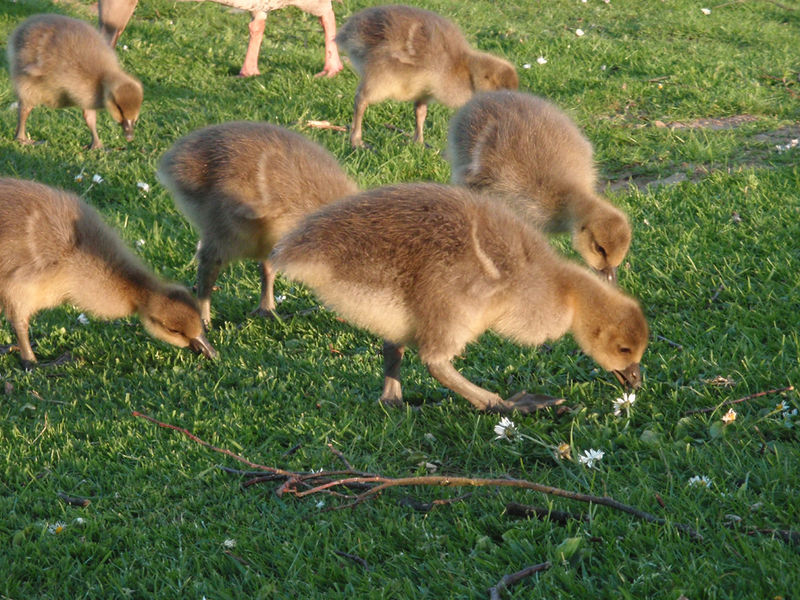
x: 55, y: 249
x: 58, y: 61
x: 526, y: 150
x: 436, y: 266
x: 410, y: 54
x: 243, y: 185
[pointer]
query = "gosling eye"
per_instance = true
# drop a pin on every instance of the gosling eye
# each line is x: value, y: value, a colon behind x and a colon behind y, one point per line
x: 624, y: 350
x: 598, y: 249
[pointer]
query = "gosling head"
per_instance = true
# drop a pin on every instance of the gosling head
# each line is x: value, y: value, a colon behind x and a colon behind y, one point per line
x: 172, y: 315
x: 615, y: 335
x: 488, y: 73
x: 123, y: 100
x: 603, y: 241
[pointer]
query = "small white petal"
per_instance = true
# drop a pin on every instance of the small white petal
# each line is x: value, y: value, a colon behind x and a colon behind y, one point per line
x: 13, y: 106
x: 541, y: 60
x: 125, y: 47
x: 526, y: 66
x: 139, y: 243
x: 705, y: 11
x: 145, y: 187
x: 229, y: 543
x: 97, y: 179
x: 579, y: 32
x: 280, y: 298
x: 83, y: 319
x: 321, y: 503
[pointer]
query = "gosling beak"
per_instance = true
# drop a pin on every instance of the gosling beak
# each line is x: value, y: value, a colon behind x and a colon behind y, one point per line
x: 609, y: 274
x: 127, y: 129
x: 631, y: 376
x: 201, y: 345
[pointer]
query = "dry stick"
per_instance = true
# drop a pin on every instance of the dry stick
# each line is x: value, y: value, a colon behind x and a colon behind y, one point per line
x: 509, y: 580
x: 427, y: 506
x: 738, y: 400
x: 670, y: 342
x: 193, y: 437
x: 353, y: 557
x: 447, y: 481
x: 341, y: 457
x: 387, y: 482
x: 74, y: 500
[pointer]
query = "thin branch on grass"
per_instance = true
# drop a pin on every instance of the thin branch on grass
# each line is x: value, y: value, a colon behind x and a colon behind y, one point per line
x: 354, y: 558
x: 670, y: 342
x: 74, y: 500
x: 238, y: 558
x: 292, y: 450
x: 323, y: 481
x: 428, y: 506
x: 709, y: 409
x: 513, y: 578
x: 239, y: 472
x: 515, y: 509
x: 340, y: 456
x: 786, y: 535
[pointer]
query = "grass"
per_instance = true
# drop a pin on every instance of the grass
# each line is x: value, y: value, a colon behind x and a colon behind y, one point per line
x: 714, y: 263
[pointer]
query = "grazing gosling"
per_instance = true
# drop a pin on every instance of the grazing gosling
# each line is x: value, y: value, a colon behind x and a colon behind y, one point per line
x: 55, y: 249
x: 58, y: 61
x: 436, y: 266
x: 243, y: 185
x: 527, y: 151
x: 407, y: 53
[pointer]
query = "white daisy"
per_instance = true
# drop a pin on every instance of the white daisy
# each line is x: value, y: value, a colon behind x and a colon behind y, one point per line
x: 729, y: 417
x: 625, y: 402
x: 145, y: 187
x: 698, y: 480
x: 579, y: 32
x: 57, y: 527
x: 97, y: 178
x: 229, y: 543
x: 541, y: 60
x: 591, y: 456
x: 505, y: 429
x: 705, y: 11
x: 83, y: 319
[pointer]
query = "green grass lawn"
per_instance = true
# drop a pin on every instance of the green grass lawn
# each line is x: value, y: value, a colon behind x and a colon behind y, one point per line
x: 714, y: 262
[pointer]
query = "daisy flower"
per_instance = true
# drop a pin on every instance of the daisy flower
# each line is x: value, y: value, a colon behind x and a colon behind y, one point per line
x: 57, y: 527
x: 541, y: 60
x: 97, y: 178
x: 729, y: 417
x: 625, y: 402
x: 505, y: 429
x: 700, y: 480
x: 591, y: 456
x: 145, y: 187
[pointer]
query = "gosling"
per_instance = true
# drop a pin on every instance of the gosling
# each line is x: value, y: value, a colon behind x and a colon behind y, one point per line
x: 113, y: 17
x: 524, y: 149
x: 55, y: 249
x: 58, y: 61
x: 410, y: 54
x: 436, y: 266
x: 243, y: 185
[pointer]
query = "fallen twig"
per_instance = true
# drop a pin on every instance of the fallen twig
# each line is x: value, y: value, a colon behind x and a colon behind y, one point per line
x: 513, y: 578
x: 324, y: 481
x: 737, y: 401
x: 556, y: 516
x: 354, y: 558
x: 41, y: 433
x: 324, y: 125
x: 670, y: 342
x: 427, y: 506
x: 341, y: 457
x: 74, y: 500
x: 786, y: 535
x: 237, y: 558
